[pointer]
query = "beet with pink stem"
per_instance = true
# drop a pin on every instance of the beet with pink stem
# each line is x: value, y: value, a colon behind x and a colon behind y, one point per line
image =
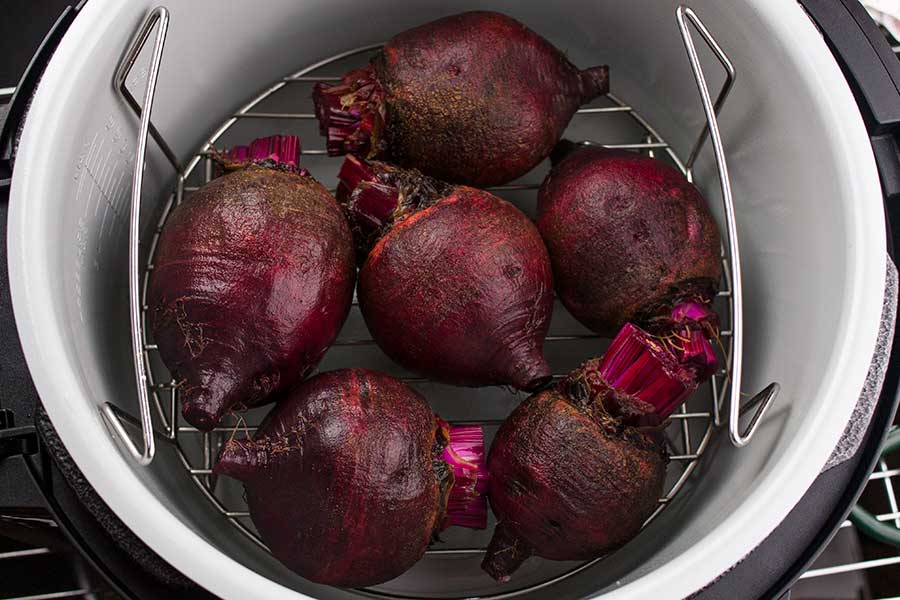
x: 351, y: 476
x: 455, y: 283
x: 631, y: 240
x: 475, y: 98
x: 576, y: 469
x: 253, y: 277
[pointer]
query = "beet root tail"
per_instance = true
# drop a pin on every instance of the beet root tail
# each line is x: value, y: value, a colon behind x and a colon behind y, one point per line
x: 203, y: 404
x: 505, y: 554
x: 465, y: 456
x: 203, y: 411
x: 528, y: 370
x: 594, y: 82
x: 239, y: 459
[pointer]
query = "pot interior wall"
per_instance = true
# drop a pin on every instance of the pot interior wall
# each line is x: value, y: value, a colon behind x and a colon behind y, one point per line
x: 794, y: 209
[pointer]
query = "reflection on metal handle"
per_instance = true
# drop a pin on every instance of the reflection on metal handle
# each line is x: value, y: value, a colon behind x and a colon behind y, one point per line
x: 160, y: 18
x: 161, y: 15
x: 764, y: 398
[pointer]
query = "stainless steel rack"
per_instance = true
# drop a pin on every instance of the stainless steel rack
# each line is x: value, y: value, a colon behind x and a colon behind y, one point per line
x: 692, y: 428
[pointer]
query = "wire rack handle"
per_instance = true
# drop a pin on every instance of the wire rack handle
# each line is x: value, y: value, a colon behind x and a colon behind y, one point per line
x: 762, y: 400
x: 158, y: 17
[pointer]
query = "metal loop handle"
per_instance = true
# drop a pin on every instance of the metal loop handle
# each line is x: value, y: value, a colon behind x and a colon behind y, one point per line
x: 158, y: 17
x: 159, y: 14
x: 764, y: 398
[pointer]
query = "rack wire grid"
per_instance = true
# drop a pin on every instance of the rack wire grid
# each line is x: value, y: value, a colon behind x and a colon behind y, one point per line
x: 609, y: 122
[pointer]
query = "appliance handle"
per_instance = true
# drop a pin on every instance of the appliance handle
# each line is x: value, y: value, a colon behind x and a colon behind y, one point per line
x: 157, y: 19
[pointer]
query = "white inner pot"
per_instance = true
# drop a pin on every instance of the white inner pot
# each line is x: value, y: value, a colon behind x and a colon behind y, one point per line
x: 809, y: 213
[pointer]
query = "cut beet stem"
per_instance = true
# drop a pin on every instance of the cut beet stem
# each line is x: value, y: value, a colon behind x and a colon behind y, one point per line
x: 465, y: 455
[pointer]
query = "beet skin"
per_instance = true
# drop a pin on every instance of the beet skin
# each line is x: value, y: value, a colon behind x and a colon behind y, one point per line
x: 457, y: 284
x: 345, y: 478
x: 630, y: 240
x: 577, y: 468
x: 253, y: 278
x: 475, y: 98
x: 566, y: 487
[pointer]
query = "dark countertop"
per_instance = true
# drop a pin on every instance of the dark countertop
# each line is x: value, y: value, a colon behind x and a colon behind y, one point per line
x: 22, y: 27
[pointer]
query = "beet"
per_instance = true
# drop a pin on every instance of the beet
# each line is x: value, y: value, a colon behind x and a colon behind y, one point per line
x: 577, y: 468
x: 631, y: 240
x: 350, y: 477
x: 455, y: 283
x: 475, y: 98
x: 253, y: 278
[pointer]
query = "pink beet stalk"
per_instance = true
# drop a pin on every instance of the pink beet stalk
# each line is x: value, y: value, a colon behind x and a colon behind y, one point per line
x: 351, y: 114
x: 691, y: 324
x: 370, y: 202
x: 353, y: 172
x: 464, y: 454
x: 697, y: 354
x: 281, y: 151
x: 695, y: 314
x: 239, y: 154
x: 690, y: 310
x: 642, y: 366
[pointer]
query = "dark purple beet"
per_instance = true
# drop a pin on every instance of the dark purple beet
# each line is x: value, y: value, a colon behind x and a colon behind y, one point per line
x: 253, y: 279
x: 351, y: 475
x: 577, y: 468
x: 456, y: 282
x: 475, y: 98
x: 631, y: 240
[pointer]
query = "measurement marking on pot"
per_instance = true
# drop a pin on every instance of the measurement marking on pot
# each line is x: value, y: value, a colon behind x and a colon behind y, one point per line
x: 106, y: 179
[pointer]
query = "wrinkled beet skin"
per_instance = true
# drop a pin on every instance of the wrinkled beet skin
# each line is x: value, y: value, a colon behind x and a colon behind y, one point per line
x: 344, y: 491
x: 476, y: 98
x: 626, y: 234
x: 462, y: 291
x: 569, y: 488
x: 253, y: 279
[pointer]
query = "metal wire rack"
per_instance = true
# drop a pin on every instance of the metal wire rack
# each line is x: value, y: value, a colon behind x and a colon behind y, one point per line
x: 691, y: 430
